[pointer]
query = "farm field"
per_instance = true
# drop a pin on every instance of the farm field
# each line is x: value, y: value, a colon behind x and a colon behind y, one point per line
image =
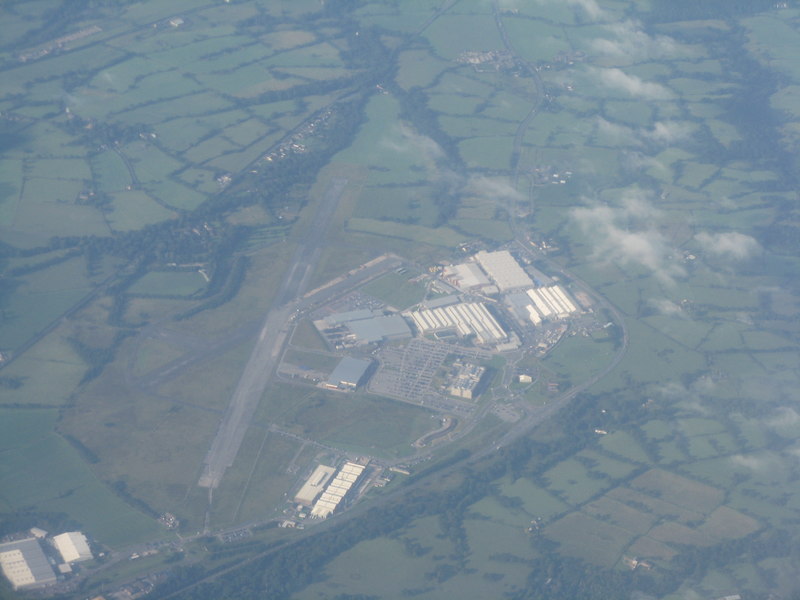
x: 162, y: 164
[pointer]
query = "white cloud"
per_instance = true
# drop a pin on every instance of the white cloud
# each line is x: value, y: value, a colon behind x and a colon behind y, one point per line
x: 748, y: 462
x: 403, y: 139
x: 733, y: 245
x: 629, y: 41
x: 667, y: 307
x: 662, y: 133
x: 631, y: 84
x: 627, y: 235
x: 784, y: 417
x: 590, y: 7
x: 493, y: 187
x: 669, y: 132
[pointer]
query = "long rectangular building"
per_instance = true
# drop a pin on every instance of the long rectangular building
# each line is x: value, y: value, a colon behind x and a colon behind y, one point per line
x: 503, y: 269
x: 467, y: 318
x: 314, y: 485
x: 549, y: 303
x: 25, y: 565
x: 337, y: 490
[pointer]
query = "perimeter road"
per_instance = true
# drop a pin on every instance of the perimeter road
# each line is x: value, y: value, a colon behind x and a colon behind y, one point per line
x: 263, y: 359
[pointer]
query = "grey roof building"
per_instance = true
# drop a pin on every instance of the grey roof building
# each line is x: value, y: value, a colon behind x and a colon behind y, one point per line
x: 377, y: 329
x: 24, y: 564
x: 348, y: 373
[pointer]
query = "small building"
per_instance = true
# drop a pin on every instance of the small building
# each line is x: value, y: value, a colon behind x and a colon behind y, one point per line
x: 25, y: 565
x: 73, y: 547
x: 348, y: 374
x: 314, y: 485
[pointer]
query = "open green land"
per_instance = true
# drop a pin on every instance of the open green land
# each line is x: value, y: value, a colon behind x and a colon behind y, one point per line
x: 158, y: 173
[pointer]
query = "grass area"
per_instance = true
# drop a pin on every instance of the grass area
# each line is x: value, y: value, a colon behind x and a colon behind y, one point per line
x: 397, y: 289
x: 588, y: 538
x: 43, y: 473
x: 439, y: 236
x: 355, y: 421
x: 311, y: 360
x: 573, y: 482
x: 169, y: 283
x: 305, y: 335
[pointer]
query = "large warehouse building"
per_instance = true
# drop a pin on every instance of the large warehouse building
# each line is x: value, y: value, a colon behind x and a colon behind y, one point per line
x: 358, y: 327
x: 314, y: 485
x: 503, y: 269
x: 24, y: 564
x: 348, y: 374
x: 73, y: 546
x: 466, y: 318
x: 337, y: 490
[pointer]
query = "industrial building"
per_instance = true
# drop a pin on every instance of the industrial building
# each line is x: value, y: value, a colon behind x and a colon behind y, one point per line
x: 73, y: 546
x: 504, y: 270
x: 358, y: 327
x: 466, y: 276
x: 314, y: 485
x: 348, y: 374
x: 549, y: 303
x: 337, y: 489
x: 25, y: 565
x: 466, y: 380
x: 466, y: 318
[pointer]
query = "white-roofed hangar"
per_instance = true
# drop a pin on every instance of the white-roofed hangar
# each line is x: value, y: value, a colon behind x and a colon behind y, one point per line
x: 73, y: 546
x: 25, y: 565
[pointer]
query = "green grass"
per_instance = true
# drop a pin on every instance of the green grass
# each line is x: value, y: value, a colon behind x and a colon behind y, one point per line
x: 135, y: 209
x: 418, y: 68
x: 311, y: 360
x: 109, y: 171
x: 355, y: 421
x: 169, y: 283
x: 440, y: 236
x: 492, y: 152
x: 396, y: 290
x: 446, y: 34
x: 404, y: 204
x: 571, y: 480
x: 254, y: 487
x: 585, y: 537
x: 305, y: 335
x: 537, y: 502
x: 42, y: 472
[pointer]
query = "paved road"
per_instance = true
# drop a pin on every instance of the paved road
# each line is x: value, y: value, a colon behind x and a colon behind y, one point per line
x: 263, y: 359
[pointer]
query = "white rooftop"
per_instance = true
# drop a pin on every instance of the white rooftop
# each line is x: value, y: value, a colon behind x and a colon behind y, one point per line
x: 73, y: 546
x: 503, y: 269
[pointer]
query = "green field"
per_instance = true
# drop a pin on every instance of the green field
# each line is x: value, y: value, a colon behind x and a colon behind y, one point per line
x: 397, y: 290
x: 43, y: 473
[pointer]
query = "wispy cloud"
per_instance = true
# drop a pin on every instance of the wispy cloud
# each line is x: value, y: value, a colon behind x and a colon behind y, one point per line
x: 629, y: 41
x: 732, y: 245
x: 668, y: 307
x: 662, y: 133
x: 405, y: 140
x: 632, y: 85
x: 493, y: 187
x: 590, y: 7
x: 627, y: 235
x: 669, y: 132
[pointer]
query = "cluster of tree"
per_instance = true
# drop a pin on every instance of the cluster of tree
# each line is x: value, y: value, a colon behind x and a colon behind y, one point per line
x: 218, y: 297
x: 98, y: 357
